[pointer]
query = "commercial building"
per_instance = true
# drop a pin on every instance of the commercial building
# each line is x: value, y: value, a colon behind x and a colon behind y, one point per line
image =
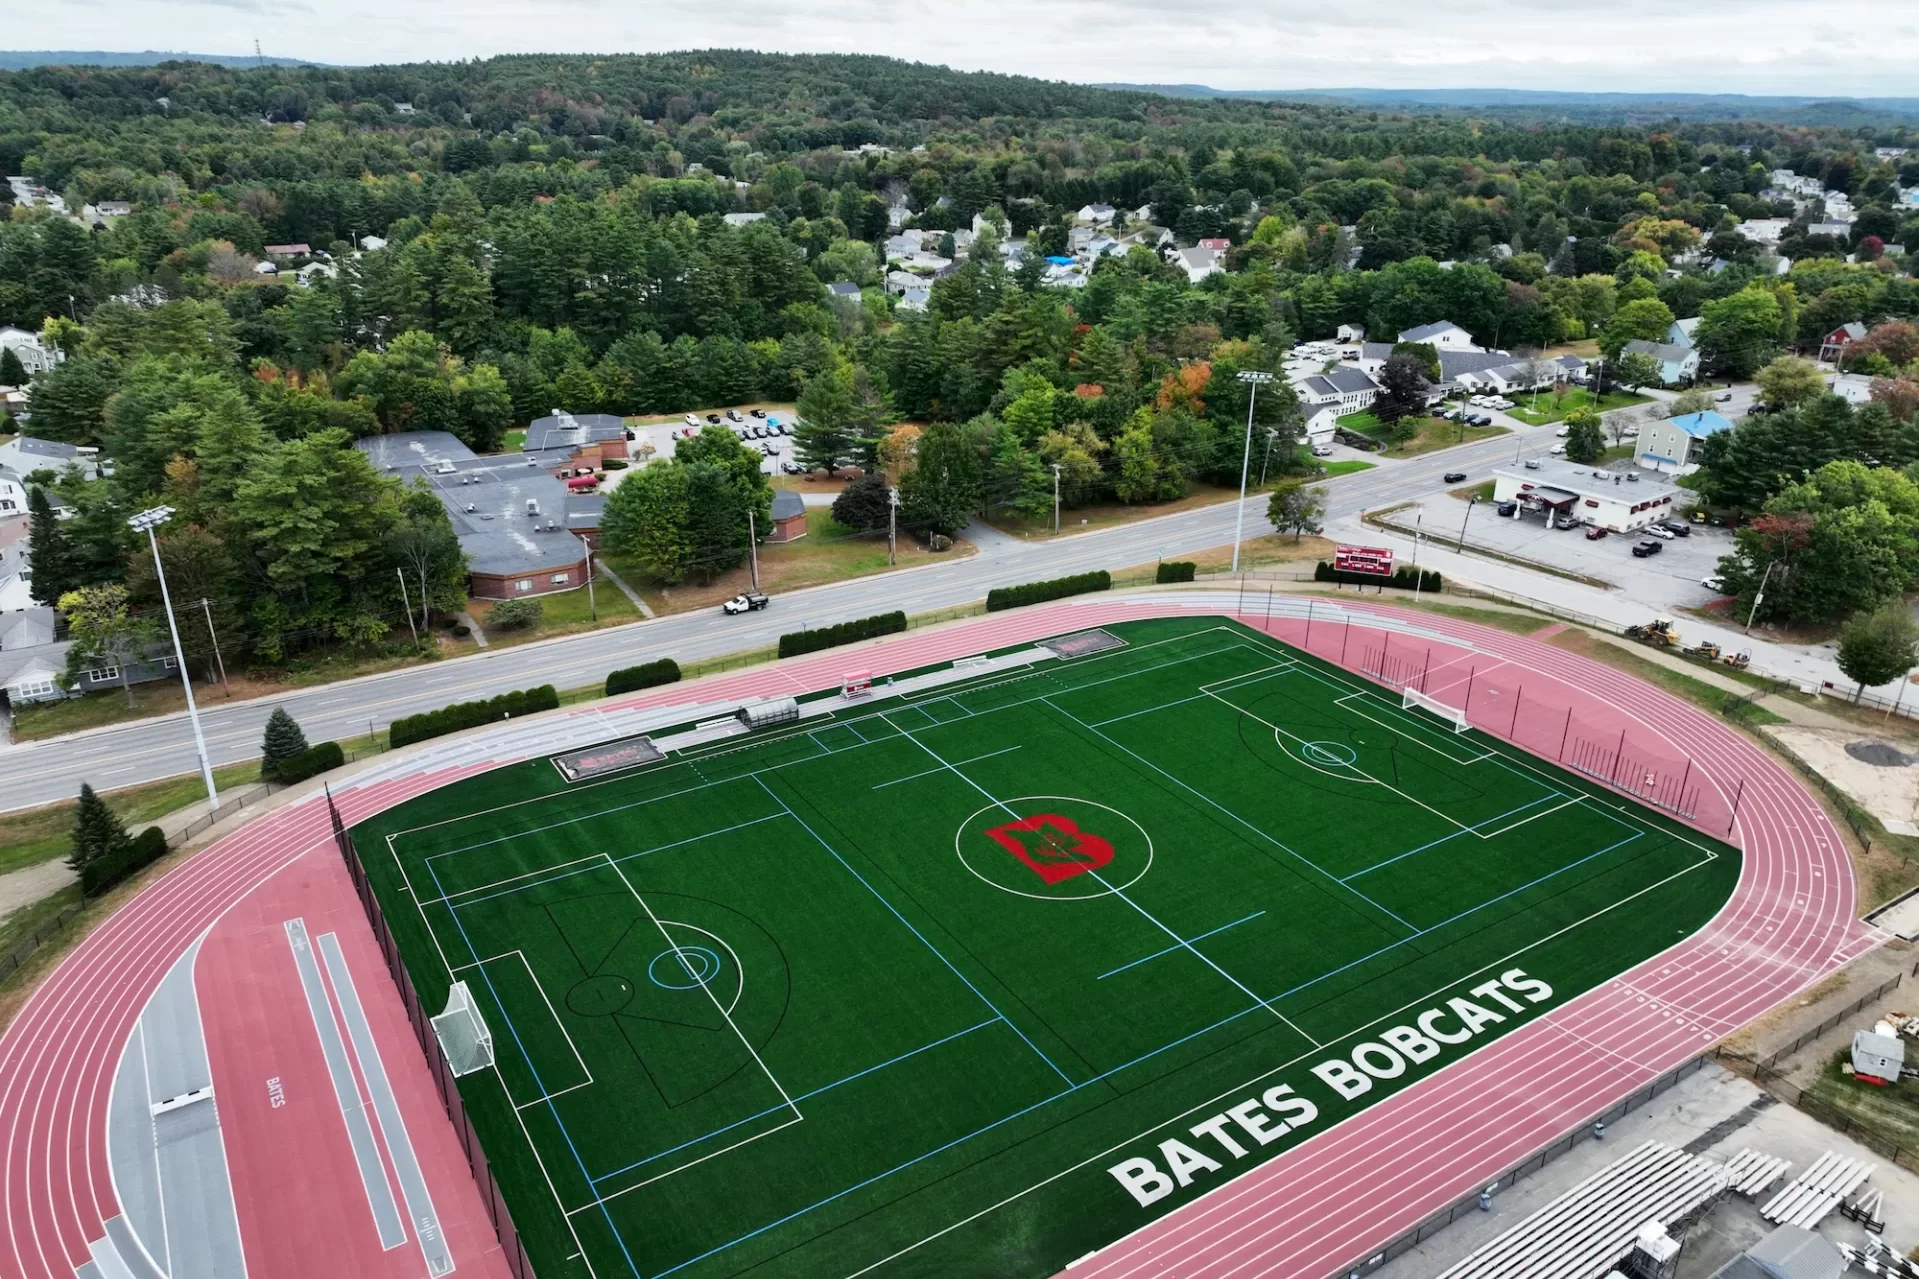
x: 1618, y: 501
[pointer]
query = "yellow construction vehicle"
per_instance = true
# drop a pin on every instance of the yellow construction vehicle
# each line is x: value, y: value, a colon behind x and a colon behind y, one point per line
x: 1704, y: 648
x: 1659, y: 633
x: 1738, y: 661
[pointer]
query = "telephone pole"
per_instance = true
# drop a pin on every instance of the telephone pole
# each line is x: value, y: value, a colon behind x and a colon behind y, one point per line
x: 1056, y: 499
x: 892, y: 521
x: 753, y: 548
x: 406, y: 603
x: 208, y: 606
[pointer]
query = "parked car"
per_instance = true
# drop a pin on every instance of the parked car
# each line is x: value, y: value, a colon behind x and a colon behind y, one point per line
x: 756, y: 413
x: 746, y: 602
x: 1322, y: 450
x: 1532, y: 464
x: 1506, y: 508
x: 1713, y: 582
x: 1455, y: 477
x: 1660, y: 531
x: 1594, y: 533
x: 1679, y: 527
x: 714, y: 418
x: 1641, y: 550
x: 734, y: 415
x: 1723, y: 398
x: 1563, y: 432
x: 1557, y: 449
x: 792, y: 468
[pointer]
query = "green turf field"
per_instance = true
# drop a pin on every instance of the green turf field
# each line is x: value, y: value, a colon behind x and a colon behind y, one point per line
x: 894, y: 989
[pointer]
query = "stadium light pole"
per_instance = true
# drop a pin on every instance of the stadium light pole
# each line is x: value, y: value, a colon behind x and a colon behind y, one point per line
x: 1254, y: 378
x: 146, y: 522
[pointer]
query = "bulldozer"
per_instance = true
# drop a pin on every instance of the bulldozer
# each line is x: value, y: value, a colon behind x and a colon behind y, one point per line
x: 1659, y: 633
x: 1738, y: 661
x: 1705, y: 649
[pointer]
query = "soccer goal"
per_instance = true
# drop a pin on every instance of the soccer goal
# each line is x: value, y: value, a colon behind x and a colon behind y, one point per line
x: 463, y: 1035
x: 1411, y: 697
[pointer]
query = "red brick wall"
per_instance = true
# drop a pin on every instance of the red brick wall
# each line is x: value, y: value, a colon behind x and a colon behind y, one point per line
x: 495, y: 586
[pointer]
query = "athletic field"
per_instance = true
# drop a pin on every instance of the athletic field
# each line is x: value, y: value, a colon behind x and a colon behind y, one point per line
x: 973, y: 981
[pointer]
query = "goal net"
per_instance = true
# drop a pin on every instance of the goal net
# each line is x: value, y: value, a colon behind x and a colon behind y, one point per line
x: 1412, y: 698
x: 463, y: 1035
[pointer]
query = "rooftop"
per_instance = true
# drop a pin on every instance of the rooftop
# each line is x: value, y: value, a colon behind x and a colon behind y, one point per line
x: 563, y: 430
x: 1700, y: 425
x: 1588, y: 481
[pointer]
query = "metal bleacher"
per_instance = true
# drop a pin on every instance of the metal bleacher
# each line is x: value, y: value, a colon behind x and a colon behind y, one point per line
x: 1591, y: 1229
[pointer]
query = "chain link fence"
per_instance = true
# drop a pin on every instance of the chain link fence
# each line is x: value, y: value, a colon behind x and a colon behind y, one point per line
x: 40, y: 936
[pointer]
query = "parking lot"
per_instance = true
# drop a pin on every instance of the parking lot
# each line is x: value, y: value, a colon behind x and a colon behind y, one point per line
x: 778, y: 449
x: 1668, y: 579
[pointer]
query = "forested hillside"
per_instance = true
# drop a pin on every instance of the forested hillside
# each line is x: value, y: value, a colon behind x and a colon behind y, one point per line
x: 550, y: 231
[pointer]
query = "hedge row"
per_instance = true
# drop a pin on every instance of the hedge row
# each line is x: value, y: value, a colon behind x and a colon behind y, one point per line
x: 451, y: 719
x: 310, y: 762
x: 1403, y: 578
x: 144, y: 849
x: 793, y: 643
x: 1039, y: 592
x: 645, y: 675
x: 1175, y: 571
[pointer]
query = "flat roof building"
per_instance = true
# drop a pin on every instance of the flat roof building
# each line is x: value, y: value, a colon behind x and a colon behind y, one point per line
x: 1619, y: 501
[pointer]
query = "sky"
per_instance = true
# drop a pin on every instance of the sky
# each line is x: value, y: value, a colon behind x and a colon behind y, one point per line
x: 1856, y: 48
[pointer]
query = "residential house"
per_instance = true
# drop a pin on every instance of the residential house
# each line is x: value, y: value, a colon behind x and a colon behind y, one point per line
x: 26, y: 348
x: 1322, y: 424
x: 742, y: 219
x: 403, y: 108
x: 32, y: 665
x: 916, y: 298
x: 522, y: 531
x: 1854, y: 388
x: 901, y: 245
x: 1442, y: 335
x: 1097, y: 214
x: 898, y: 214
x: 1199, y: 262
x: 1764, y: 230
x: 789, y: 517
x: 289, y: 250
x: 312, y: 271
x: 1099, y: 246
x: 898, y: 282
x: 1344, y: 388
x: 1840, y: 231
x: 1681, y: 332
x: 1677, y: 364
x: 1834, y: 344
x: 843, y: 293
x: 1673, y: 443
x: 23, y: 455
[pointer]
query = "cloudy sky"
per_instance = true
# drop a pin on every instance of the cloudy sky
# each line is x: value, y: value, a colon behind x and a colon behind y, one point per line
x: 1839, y: 47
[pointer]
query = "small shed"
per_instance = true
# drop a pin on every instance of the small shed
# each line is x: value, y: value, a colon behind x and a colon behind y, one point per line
x: 1877, y: 1056
x: 789, y: 516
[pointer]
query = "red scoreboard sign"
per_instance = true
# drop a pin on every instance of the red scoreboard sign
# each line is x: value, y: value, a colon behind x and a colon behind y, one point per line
x: 1363, y: 559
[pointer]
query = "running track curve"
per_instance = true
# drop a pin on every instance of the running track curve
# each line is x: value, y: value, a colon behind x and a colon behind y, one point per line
x: 1319, y: 1210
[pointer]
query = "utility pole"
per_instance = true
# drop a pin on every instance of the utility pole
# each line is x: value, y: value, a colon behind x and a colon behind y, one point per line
x: 1253, y: 379
x: 208, y: 606
x: 753, y: 548
x: 1055, y: 499
x: 1419, y: 522
x: 1462, y: 524
x: 893, y: 514
x: 591, y: 606
x: 407, y: 604
x: 425, y: 624
x: 146, y: 522
x: 1759, y: 596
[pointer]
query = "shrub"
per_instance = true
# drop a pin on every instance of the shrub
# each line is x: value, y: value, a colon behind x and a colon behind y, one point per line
x: 461, y: 630
x: 144, y: 849
x: 1403, y: 578
x: 513, y: 615
x: 461, y: 715
x: 1039, y: 592
x: 613, y: 464
x: 646, y: 675
x: 1175, y: 571
x: 310, y: 762
x: 793, y: 643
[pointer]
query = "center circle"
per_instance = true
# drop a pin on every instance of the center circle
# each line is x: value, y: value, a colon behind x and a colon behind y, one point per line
x: 684, y: 968
x: 1331, y: 754
x: 1054, y: 848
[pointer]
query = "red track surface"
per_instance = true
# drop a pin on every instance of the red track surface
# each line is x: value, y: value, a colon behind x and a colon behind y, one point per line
x: 1311, y: 1213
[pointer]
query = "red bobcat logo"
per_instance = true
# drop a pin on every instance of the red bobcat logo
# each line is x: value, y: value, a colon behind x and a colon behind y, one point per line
x: 1053, y: 847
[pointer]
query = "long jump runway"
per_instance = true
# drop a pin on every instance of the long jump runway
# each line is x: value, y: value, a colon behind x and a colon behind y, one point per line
x: 339, y: 1159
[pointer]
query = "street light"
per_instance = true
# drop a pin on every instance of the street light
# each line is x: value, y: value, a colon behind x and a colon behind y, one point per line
x: 146, y: 522
x: 1474, y: 501
x: 1254, y: 379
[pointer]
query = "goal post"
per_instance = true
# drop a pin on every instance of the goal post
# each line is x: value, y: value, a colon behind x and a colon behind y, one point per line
x: 1412, y: 699
x: 462, y: 1033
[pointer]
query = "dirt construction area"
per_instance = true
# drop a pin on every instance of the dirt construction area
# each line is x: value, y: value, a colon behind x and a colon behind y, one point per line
x: 1881, y: 776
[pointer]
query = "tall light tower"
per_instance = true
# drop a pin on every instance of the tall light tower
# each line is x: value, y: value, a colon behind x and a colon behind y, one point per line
x: 1254, y: 380
x: 146, y: 522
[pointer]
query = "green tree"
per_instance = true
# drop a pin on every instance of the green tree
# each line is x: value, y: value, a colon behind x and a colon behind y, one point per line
x: 105, y: 633
x: 1740, y: 333
x: 1584, y: 440
x: 1787, y: 383
x: 1647, y: 319
x: 1878, y: 647
x: 515, y: 615
x: 1635, y: 369
x: 716, y: 524
x: 70, y: 399
x: 943, y: 488
x: 49, y: 553
x: 646, y: 518
x: 1295, y: 508
x: 12, y: 372
x: 1403, y: 389
x: 97, y: 831
x: 282, y: 741
x: 824, y: 435
x: 865, y: 504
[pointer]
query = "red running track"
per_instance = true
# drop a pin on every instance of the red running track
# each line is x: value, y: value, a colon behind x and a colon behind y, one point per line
x: 1311, y: 1213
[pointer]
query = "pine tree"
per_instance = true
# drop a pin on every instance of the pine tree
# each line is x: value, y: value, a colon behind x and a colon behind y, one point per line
x: 12, y: 372
x: 97, y: 832
x: 49, y: 552
x: 283, y: 741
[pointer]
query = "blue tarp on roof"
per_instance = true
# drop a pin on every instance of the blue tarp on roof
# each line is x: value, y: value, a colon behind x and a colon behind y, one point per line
x: 1700, y: 425
x: 1060, y: 261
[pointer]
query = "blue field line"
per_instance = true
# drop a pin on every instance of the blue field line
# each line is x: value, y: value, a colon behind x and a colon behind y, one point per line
x: 1235, y: 816
x: 909, y: 927
x: 553, y: 1109
x: 597, y: 862
x: 1464, y: 830
x: 640, y: 1163
x: 1170, y: 949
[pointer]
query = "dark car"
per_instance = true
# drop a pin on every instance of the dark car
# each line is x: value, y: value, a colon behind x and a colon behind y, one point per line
x: 1455, y: 477
x: 792, y: 468
x: 1679, y: 528
x: 1643, y: 549
x: 1507, y: 508
x: 1594, y: 533
x: 714, y: 418
x: 756, y: 413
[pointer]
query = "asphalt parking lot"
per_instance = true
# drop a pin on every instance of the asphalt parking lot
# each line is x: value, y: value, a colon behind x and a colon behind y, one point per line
x: 1668, y: 579
x: 663, y: 438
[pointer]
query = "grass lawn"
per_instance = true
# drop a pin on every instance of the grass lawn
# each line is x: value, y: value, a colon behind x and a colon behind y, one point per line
x: 1889, y: 1113
x: 1078, y: 519
x: 1345, y: 467
x: 917, y: 974
x: 1697, y: 691
x: 1433, y: 434
x: 513, y: 442
x: 1555, y: 408
x: 561, y: 614
x: 35, y: 835
x: 1517, y: 623
x: 829, y: 552
x: 1255, y: 552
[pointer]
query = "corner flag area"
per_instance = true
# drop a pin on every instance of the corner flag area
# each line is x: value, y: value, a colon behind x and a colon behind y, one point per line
x: 979, y: 979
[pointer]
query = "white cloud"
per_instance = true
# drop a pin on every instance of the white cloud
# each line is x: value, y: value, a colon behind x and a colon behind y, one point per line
x: 1717, y: 46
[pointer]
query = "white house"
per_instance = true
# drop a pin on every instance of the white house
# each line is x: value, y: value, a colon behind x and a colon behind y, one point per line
x: 1350, y: 333
x: 1344, y: 388
x: 1764, y: 230
x: 23, y: 455
x: 1199, y: 263
x: 742, y: 219
x: 1672, y: 443
x: 1854, y: 388
x: 1442, y: 335
x: 915, y: 298
x: 1677, y: 364
x: 26, y: 348
x: 1097, y: 214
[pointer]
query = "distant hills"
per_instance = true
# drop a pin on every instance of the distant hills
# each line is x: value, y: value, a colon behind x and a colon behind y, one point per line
x: 1632, y: 106
x: 20, y: 60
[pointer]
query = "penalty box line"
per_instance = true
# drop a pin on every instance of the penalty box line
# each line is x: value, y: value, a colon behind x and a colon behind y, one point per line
x: 571, y: 1047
